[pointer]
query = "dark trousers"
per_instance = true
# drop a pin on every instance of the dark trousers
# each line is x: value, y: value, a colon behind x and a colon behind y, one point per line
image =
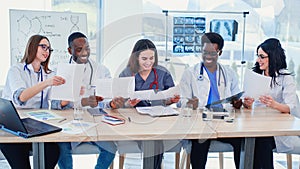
x: 158, y: 153
x: 200, y: 150
x: 17, y: 155
x: 263, y: 152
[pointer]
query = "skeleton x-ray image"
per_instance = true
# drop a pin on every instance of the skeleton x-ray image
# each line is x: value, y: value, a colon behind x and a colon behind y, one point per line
x: 178, y: 20
x: 187, y: 32
x: 226, y: 28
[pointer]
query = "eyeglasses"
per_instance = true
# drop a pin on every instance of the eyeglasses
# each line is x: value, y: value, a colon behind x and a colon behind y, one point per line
x: 206, y: 53
x: 45, y: 47
x: 261, y: 56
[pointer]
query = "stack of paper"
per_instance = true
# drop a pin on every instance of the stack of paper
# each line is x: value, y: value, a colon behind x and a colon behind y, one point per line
x: 157, y: 111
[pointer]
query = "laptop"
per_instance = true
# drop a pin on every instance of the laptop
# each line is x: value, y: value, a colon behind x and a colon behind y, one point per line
x: 11, y: 122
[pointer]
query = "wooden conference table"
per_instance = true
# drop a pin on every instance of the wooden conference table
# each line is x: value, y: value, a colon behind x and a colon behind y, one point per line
x: 248, y: 124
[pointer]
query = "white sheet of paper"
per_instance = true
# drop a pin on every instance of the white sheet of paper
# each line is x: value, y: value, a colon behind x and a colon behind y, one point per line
x: 73, y: 74
x: 151, y: 95
x: 157, y: 111
x: 109, y: 88
x: 255, y: 84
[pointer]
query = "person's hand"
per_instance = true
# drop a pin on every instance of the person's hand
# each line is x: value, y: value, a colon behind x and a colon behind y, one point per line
x: 89, y: 101
x: 117, y: 102
x: 133, y: 102
x: 194, y: 101
x: 55, y: 81
x: 99, y: 98
x: 237, y: 103
x: 82, y: 90
x: 267, y: 100
x: 172, y: 100
x: 175, y: 99
x: 248, y: 101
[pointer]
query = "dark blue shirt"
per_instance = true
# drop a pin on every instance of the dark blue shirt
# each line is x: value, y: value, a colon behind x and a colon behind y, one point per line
x: 164, y: 79
x: 213, y: 91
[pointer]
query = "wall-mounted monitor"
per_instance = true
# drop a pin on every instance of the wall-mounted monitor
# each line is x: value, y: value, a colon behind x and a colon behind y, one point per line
x: 225, y: 27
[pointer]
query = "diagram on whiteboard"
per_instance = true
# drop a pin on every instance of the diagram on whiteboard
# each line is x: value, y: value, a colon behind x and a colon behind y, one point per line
x: 57, y: 26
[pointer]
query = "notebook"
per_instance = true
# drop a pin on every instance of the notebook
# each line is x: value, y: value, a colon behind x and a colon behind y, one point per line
x: 11, y: 122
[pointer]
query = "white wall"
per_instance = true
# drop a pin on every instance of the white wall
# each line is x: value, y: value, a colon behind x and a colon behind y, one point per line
x: 4, y: 29
x: 122, y: 28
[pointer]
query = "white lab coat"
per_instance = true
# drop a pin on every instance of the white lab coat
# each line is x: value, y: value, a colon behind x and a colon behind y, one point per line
x: 191, y: 86
x: 284, y: 92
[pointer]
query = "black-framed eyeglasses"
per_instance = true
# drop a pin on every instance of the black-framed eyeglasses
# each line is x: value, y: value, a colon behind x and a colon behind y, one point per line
x: 45, y: 47
x: 214, y: 53
x: 261, y: 56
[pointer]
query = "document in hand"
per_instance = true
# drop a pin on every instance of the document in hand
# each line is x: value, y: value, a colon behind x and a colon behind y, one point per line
x: 255, y: 84
x: 73, y: 74
x: 109, y: 88
x: 152, y: 95
x: 157, y: 111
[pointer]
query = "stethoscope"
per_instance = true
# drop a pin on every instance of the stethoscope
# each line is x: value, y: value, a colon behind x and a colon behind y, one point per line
x: 155, y: 81
x: 40, y: 75
x: 92, y: 70
x: 200, y: 77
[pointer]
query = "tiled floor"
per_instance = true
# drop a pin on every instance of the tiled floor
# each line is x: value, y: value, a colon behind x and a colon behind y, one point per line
x: 133, y: 161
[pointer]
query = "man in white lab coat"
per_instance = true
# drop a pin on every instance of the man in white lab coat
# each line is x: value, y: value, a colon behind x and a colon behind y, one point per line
x: 205, y: 83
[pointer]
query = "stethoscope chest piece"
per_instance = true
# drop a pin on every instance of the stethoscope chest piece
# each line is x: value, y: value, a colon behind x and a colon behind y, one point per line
x: 200, y: 77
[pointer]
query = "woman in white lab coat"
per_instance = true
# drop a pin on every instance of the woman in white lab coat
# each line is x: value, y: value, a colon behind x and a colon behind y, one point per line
x: 28, y: 85
x: 271, y: 61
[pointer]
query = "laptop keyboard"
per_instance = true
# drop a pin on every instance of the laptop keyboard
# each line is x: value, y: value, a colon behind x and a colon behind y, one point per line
x: 31, y: 126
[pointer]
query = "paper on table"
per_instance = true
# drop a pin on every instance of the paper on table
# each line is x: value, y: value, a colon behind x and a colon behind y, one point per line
x: 152, y: 95
x: 44, y: 115
x: 73, y: 74
x: 77, y: 127
x: 109, y: 88
x: 255, y: 84
x: 157, y: 111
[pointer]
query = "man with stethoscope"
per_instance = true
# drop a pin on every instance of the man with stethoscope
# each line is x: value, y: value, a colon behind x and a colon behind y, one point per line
x: 80, y: 52
x: 205, y: 83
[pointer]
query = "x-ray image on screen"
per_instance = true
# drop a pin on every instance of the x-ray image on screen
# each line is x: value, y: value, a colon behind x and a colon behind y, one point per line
x: 226, y: 28
x: 187, y: 32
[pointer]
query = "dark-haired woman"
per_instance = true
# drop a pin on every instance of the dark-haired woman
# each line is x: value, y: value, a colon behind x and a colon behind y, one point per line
x: 271, y: 61
x: 143, y: 65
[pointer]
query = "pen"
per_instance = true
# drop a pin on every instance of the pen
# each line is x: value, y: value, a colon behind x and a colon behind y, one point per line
x: 62, y: 120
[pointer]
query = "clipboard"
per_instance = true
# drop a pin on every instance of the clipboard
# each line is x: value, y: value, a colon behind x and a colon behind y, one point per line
x: 226, y: 100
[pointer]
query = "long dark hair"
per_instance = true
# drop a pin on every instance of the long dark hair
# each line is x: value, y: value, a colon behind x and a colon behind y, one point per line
x: 31, y: 50
x: 277, y: 58
x: 140, y: 46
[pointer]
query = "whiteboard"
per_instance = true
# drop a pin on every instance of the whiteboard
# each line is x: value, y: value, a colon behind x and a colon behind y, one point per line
x: 56, y: 26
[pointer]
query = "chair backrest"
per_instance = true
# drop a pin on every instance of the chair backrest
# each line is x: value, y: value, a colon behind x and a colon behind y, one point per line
x: 86, y: 148
x: 125, y: 147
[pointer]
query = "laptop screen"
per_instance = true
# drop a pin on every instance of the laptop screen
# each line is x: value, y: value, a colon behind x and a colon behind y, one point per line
x: 9, y: 116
